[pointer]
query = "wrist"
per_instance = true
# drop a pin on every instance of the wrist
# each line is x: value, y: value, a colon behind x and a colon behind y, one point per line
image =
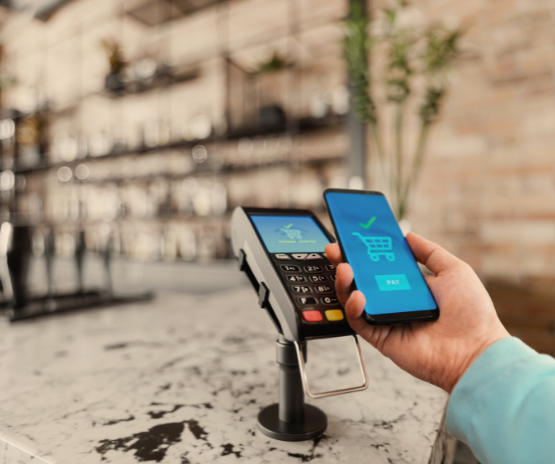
x: 472, y: 355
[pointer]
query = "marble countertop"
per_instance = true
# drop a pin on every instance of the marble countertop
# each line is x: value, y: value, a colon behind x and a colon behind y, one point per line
x: 181, y: 380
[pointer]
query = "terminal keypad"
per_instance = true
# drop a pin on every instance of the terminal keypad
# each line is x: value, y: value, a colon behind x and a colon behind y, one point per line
x: 313, y: 268
x: 295, y: 278
x: 301, y: 289
x: 315, y: 299
x: 323, y: 289
x: 290, y: 268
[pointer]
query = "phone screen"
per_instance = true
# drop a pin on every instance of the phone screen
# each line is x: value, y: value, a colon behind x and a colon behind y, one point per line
x: 384, y: 267
x: 290, y: 234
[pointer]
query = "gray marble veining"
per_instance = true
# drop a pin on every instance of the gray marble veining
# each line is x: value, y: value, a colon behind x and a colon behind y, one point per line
x: 182, y: 379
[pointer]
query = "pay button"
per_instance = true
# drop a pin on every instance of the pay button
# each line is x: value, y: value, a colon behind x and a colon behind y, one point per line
x: 387, y: 283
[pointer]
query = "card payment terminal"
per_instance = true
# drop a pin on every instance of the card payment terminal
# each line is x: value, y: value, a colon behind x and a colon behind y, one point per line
x: 285, y: 253
x: 282, y: 253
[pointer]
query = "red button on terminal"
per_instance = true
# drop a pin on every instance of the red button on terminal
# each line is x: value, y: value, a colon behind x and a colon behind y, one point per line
x: 312, y: 316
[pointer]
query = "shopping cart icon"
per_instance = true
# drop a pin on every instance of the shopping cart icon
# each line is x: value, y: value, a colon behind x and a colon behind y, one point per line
x: 293, y: 234
x: 378, y: 246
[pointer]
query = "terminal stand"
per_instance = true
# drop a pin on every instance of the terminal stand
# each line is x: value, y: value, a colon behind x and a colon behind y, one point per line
x: 291, y: 419
x: 274, y: 276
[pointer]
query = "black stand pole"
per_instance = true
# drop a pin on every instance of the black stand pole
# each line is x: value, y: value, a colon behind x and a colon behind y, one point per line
x: 291, y: 419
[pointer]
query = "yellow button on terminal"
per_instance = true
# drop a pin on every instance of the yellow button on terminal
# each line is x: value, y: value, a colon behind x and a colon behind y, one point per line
x: 334, y: 315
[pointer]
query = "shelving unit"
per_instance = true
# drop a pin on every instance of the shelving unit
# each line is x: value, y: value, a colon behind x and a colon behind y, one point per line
x: 186, y: 201
x: 305, y: 126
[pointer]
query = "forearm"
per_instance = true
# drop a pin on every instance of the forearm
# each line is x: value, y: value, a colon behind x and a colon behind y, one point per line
x: 504, y: 405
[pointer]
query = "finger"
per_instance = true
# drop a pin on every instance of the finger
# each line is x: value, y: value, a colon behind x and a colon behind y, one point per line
x: 434, y: 257
x: 432, y: 282
x: 344, y: 282
x: 333, y: 252
x: 353, y: 309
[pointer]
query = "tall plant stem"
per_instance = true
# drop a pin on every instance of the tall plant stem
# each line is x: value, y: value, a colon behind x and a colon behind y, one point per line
x: 397, y: 177
x: 376, y: 138
x: 415, y: 168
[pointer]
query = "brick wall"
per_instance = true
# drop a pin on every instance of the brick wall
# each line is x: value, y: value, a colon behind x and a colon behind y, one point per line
x: 488, y: 188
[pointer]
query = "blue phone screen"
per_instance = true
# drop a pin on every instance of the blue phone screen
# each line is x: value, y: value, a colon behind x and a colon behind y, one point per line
x: 290, y: 234
x: 384, y: 268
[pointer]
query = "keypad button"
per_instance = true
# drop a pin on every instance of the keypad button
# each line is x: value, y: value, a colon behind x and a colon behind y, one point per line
x: 333, y: 277
x: 290, y: 268
x: 299, y: 256
x: 301, y: 289
x: 328, y: 300
x: 330, y: 267
x: 282, y: 257
x: 313, y: 256
x: 296, y: 278
x: 307, y: 300
x: 324, y: 289
x: 334, y: 315
x: 313, y: 268
x: 312, y: 316
x: 317, y: 278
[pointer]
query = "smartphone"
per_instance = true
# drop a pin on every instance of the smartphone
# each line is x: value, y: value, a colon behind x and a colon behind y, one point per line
x: 384, y: 268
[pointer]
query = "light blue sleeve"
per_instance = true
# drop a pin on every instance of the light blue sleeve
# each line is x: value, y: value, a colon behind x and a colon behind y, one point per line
x: 504, y: 405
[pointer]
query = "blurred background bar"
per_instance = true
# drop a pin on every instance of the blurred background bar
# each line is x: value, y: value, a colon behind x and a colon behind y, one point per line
x: 130, y: 129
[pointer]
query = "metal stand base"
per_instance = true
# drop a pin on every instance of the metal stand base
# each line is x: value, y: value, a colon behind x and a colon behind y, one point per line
x: 314, y: 424
x: 291, y: 419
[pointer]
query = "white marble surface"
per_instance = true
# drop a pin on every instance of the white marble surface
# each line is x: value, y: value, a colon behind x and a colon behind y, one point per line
x: 182, y: 379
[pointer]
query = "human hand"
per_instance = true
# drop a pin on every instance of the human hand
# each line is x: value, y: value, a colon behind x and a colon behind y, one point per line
x: 438, y: 352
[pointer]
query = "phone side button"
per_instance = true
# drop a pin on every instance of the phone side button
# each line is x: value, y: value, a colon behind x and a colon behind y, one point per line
x: 334, y: 315
x: 312, y: 316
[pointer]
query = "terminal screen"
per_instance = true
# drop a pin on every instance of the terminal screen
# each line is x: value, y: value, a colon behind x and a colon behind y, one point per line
x: 290, y: 234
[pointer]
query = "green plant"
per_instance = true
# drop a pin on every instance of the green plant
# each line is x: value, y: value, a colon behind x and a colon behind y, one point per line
x: 273, y: 63
x: 412, y: 55
x: 115, y: 57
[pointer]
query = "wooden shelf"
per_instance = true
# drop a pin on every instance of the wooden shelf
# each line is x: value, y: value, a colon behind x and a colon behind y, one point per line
x: 202, y: 170
x: 292, y: 127
x: 163, y: 78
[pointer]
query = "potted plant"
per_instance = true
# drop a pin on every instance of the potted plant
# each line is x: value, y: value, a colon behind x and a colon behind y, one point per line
x: 113, y: 80
x: 271, y: 89
x: 415, y: 63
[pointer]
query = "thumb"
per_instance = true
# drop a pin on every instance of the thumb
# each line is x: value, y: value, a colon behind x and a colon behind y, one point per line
x: 434, y: 257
